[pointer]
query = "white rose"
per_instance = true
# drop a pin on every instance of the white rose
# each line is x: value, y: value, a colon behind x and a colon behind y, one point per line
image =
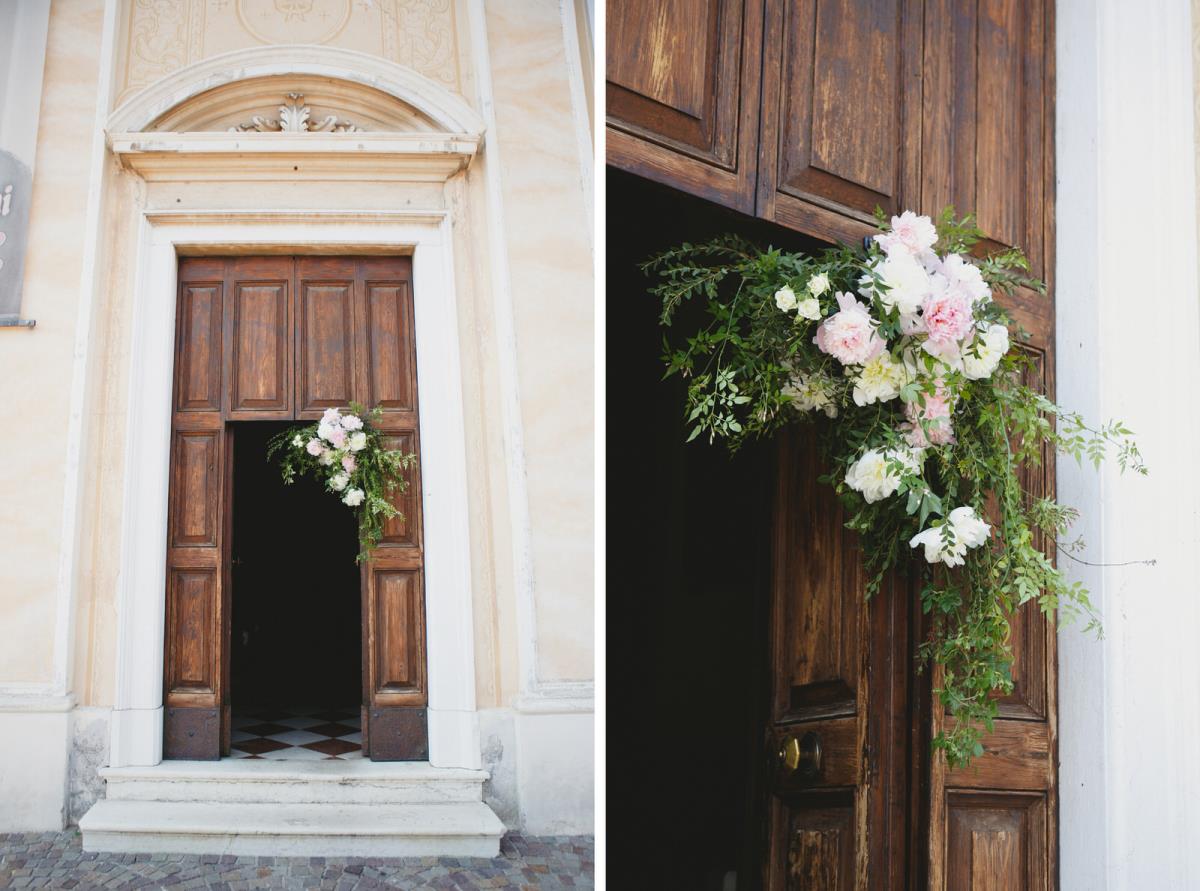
x: 351, y: 422
x: 357, y: 441
x: 818, y: 284
x: 876, y: 474
x: 354, y: 497
x: 981, y: 355
x: 808, y: 308
x: 812, y: 392
x: 339, y: 481
x: 948, y: 543
x: 907, y: 283
x: 880, y: 380
x: 785, y: 299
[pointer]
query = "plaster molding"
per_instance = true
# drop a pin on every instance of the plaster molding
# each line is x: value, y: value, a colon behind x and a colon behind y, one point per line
x: 227, y: 157
x: 448, y: 111
x: 295, y: 117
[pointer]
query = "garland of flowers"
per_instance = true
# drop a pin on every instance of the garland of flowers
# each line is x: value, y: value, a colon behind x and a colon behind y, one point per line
x: 927, y: 423
x: 347, y: 453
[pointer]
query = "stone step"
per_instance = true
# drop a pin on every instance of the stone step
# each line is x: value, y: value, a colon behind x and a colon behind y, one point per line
x: 459, y: 829
x: 295, y: 782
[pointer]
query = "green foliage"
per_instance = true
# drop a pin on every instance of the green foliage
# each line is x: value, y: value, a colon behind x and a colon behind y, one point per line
x: 378, y: 473
x: 742, y: 367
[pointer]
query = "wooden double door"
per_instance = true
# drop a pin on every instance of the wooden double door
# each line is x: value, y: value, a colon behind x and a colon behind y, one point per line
x: 279, y: 338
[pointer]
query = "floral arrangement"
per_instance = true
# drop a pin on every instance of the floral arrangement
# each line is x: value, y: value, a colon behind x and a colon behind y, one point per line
x: 346, y: 452
x: 901, y: 353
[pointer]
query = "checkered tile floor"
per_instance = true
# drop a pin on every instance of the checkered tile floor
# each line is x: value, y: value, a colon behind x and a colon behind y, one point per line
x: 297, y: 734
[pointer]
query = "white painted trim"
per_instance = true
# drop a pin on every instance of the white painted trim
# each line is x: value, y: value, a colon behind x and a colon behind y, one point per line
x: 137, y: 716
x: 1129, y: 711
x: 446, y: 109
x: 65, y: 588
x: 579, y: 111
x: 520, y: 524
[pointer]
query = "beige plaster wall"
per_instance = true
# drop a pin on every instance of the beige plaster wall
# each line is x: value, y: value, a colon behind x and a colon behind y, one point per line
x: 35, y: 365
x: 550, y: 255
x: 161, y: 36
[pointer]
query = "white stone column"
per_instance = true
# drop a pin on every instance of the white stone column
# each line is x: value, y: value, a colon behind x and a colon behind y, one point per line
x: 1129, y: 347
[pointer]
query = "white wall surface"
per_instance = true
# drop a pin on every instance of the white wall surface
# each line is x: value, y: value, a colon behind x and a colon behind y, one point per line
x: 1129, y: 347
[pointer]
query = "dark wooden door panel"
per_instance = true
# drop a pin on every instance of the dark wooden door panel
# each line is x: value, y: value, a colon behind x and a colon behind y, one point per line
x: 197, y: 584
x: 259, y: 338
x: 391, y: 372
x: 840, y: 104
x: 325, y: 337
x: 682, y: 93
x: 839, y: 676
x: 988, y: 122
x: 996, y: 842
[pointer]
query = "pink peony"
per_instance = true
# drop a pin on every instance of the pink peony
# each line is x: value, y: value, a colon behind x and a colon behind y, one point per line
x: 938, y: 429
x: 947, y: 317
x: 331, y: 416
x: 337, y: 436
x: 348, y: 463
x: 314, y: 447
x: 849, y: 335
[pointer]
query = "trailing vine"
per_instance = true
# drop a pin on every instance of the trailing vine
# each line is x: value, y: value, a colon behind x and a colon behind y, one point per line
x: 924, y: 415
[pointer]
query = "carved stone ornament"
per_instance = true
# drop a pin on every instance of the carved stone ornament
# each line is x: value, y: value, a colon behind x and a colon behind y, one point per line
x: 294, y: 118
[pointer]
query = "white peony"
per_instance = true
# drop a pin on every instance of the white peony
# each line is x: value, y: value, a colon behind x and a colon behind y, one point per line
x: 351, y: 422
x: 818, y: 284
x: 981, y: 355
x: 911, y: 234
x: 906, y: 282
x: 948, y: 543
x: 963, y: 275
x: 812, y: 392
x: 326, y: 457
x: 808, y: 308
x: 354, y: 497
x: 880, y: 380
x: 325, y: 430
x: 339, y: 481
x: 876, y: 474
x: 357, y: 441
x: 785, y: 299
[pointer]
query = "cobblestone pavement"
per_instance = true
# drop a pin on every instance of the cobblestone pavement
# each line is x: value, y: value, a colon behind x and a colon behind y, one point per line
x: 56, y: 860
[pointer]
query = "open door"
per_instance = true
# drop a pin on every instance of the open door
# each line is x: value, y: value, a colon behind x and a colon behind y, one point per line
x: 837, y: 741
x: 276, y: 339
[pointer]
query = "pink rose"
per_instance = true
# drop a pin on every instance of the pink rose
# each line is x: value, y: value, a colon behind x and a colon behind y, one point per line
x: 337, y: 436
x: 947, y: 317
x: 314, y: 447
x: 348, y: 463
x: 849, y: 335
x: 935, y: 413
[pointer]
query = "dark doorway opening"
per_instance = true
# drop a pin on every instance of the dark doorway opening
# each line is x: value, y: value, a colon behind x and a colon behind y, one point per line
x: 688, y: 672
x: 296, y: 627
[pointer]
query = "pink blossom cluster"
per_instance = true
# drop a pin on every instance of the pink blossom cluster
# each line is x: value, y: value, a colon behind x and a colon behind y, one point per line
x: 935, y: 300
x: 339, y: 437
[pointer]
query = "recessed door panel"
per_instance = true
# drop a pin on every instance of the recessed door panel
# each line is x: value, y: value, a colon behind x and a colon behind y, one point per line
x: 325, y: 341
x: 260, y: 356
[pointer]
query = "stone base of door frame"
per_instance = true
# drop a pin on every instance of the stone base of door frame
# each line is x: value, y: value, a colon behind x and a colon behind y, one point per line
x: 282, y: 808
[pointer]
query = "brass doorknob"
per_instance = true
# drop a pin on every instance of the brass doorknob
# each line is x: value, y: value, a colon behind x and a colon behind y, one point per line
x: 800, y: 757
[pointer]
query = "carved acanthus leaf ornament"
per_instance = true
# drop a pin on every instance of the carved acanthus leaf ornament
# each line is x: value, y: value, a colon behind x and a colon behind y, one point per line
x: 295, y: 117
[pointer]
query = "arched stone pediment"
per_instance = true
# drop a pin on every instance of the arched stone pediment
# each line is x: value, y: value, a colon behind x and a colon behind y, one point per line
x: 357, y: 111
